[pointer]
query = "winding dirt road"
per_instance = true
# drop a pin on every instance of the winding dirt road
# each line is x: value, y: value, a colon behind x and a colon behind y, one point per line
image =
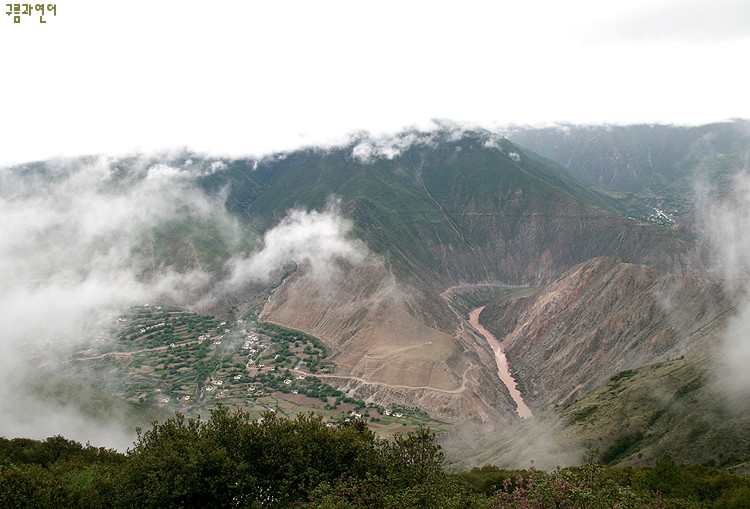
x: 502, y: 364
x: 390, y: 386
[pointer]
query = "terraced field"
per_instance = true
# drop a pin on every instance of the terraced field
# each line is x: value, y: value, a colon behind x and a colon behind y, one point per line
x: 184, y: 361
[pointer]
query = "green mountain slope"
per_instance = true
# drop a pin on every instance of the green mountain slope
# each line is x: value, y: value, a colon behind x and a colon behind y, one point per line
x: 680, y: 407
x: 447, y: 209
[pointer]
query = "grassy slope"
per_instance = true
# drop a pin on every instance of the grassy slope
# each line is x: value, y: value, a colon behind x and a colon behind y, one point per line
x: 676, y: 407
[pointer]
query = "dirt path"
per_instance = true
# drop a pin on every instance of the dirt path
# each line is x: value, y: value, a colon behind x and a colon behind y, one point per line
x: 502, y: 364
x: 391, y: 386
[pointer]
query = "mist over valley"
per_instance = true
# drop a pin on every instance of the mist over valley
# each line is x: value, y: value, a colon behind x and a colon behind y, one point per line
x: 609, y: 262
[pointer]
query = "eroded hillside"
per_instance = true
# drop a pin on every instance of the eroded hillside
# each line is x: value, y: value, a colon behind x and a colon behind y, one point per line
x: 602, y: 317
x: 392, y: 343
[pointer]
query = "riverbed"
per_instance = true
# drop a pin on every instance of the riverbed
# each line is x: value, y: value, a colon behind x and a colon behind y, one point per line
x: 503, y: 371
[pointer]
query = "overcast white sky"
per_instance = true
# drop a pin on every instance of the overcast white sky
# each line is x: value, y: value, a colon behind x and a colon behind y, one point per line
x: 248, y: 77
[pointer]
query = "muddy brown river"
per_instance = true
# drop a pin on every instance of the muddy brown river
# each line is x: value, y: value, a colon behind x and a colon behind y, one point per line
x: 502, y: 364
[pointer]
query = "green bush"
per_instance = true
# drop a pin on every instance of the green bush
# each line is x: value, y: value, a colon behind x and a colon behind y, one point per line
x: 231, y: 460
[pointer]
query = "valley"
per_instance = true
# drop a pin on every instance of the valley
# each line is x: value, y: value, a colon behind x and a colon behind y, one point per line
x: 462, y: 282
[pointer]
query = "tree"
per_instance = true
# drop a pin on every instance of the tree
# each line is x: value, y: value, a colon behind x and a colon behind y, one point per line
x: 414, y: 457
x: 175, y: 465
x: 231, y: 460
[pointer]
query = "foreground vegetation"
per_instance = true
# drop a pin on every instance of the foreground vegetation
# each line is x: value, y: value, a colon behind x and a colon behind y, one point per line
x: 234, y: 461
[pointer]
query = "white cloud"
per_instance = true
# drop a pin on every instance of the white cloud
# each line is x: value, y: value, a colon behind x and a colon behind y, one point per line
x: 697, y: 21
x: 368, y: 148
x: 69, y: 261
x: 725, y: 224
x: 74, y: 253
x: 252, y: 78
x: 317, y: 239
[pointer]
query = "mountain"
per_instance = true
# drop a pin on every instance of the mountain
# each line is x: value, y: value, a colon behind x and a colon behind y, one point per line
x: 664, y: 164
x: 620, y: 361
x: 370, y: 312
x: 447, y: 208
x: 463, y: 221
x: 441, y: 216
x: 602, y: 317
x: 83, y: 412
x: 677, y: 407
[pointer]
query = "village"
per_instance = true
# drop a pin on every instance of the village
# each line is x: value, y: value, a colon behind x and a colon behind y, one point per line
x: 187, y: 362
